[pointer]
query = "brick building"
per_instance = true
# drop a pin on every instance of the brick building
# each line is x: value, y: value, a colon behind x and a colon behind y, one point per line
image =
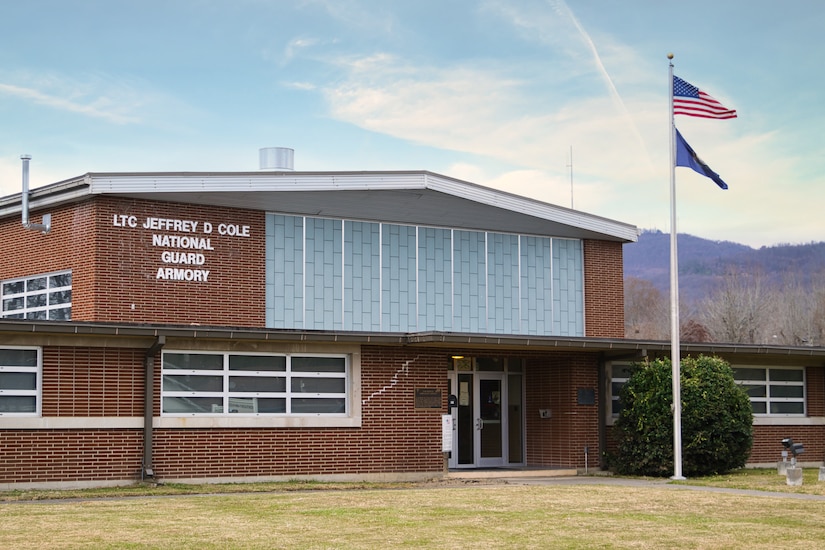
x: 347, y: 325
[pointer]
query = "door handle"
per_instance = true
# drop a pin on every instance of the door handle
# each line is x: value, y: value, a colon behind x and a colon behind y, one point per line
x: 479, y: 424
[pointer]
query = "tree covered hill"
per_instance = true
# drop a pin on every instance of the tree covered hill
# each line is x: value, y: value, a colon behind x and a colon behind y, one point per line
x: 703, y: 263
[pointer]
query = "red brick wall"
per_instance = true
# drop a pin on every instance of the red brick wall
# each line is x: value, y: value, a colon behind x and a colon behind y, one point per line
x: 41, y: 456
x: 815, y: 391
x: 128, y: 265
x: 553, y: 382
x: 114, y: 268
x: 767, y: 447
x: 393, y: 437
x: 767, y: 443
x: 603, y: 289
x: 92, y: 382
x: 69, y: 245
x: 81, y: 382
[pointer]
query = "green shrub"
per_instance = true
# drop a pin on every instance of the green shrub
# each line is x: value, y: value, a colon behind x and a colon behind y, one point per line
x: 717, y: 421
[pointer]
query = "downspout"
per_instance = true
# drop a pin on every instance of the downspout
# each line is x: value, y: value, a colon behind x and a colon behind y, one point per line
x: 24, y: 202
x: 604, y: 386
x: 147, y: 470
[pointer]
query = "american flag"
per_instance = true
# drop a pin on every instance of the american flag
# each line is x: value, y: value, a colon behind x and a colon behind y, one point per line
x: 690, y: 100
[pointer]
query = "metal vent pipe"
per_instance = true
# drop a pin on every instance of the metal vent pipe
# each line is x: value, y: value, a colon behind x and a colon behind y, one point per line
x: 24, y: 202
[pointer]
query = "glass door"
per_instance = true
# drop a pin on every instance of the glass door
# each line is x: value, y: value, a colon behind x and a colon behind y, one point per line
x: 479, y: 420
x: 488, y: 416
x: 463, y: 454
x: 490, y: 419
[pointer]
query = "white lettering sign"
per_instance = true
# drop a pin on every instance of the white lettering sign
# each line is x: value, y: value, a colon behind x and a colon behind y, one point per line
x: 167, y: 224
x: 183, y: 250
x: 175, y: 274
x: 178, y: 241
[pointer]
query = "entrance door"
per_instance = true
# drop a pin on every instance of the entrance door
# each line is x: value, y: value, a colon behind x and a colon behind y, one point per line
x: 479, y: 420
x: 491, y: 422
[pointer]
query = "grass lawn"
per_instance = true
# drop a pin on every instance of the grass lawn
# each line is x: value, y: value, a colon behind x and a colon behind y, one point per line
x: 423, y: 516
x: 763, y: 480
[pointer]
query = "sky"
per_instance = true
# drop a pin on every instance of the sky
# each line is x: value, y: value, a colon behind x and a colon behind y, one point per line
x: 566, y: 102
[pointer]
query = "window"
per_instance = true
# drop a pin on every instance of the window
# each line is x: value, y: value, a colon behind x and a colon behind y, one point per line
x: 773, y: 391
x: 40, y: 297
x: 19, y: 381
x: 620, y: 372
x: 228, y: 384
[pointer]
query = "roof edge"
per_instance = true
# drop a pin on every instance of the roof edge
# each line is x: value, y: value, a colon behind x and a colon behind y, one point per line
x: 417, y: 339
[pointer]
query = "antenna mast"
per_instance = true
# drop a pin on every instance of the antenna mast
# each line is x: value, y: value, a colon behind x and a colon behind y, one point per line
x: 571, y: 176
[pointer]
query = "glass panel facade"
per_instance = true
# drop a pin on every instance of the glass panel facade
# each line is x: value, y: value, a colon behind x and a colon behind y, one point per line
x: 331, y: 274
x: 192, y: 361
x: 18, y: 380
x: 18, y: 404
x: 274, y: 363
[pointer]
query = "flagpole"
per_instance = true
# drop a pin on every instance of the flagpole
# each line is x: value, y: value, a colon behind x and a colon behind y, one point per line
x: 674, y: 297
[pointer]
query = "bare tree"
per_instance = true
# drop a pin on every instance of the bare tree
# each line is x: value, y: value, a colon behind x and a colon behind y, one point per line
x: 647, y: 312
x: 737, y: 311
x: 799, y: 312
x: 693, y: 331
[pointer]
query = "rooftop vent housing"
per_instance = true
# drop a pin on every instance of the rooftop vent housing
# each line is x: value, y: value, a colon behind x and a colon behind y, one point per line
x: 277, y: 159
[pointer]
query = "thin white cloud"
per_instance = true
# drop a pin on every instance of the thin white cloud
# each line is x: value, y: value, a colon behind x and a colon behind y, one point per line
x: 485, y: 111
x: 560, y: 30
x: 295, y: 47
x: 355, y: 14
x: 482, y: 111
x: 62, y: 104
x: 597, y: 60
x: 305, y: 86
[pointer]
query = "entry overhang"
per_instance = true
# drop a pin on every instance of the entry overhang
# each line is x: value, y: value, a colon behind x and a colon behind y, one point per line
x: 610, y: 348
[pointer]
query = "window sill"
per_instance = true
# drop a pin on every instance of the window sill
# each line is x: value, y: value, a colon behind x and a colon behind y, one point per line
x: 183, y: 422
x: 135, y: 422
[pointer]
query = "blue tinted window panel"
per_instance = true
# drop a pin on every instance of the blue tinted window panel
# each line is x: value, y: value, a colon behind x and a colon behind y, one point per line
x: 568, y: 288
x: 324, y: 274
x: 503, y: 305
x: 398, y: 278
x: 284, y: 271
x: 362, y: 276
x: 435, y: 295
x: 469, y: 281
x: 536, y: 286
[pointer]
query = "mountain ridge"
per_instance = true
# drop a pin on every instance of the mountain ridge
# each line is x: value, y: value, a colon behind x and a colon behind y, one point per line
x: 704, y: 262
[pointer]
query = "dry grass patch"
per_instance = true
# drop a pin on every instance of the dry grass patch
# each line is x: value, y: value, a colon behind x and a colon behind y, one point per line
x: 486, y: 516
x: 763, y: 480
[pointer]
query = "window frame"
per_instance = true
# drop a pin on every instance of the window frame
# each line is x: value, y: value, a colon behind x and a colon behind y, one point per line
x: 226, y: 394
x: 26, y: 295
x: 768, y: 383
x: 37, y: 392
x: 613, y: 396
x: 613, y: 406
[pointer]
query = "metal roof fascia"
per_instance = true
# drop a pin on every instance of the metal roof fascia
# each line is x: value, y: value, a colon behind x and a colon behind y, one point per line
x: 362, y: 181
x: 48, y: 195
x: 404, y: 339
x: 532, y: 207
x: 247, y: 181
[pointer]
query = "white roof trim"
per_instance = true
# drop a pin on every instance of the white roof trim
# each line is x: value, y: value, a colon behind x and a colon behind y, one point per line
x: 411, y: 197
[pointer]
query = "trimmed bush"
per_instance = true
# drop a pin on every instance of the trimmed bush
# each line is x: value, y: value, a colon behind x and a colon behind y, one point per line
x: 717, y: 420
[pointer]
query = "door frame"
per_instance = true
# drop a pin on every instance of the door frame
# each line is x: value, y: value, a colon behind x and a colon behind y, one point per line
x: 478, y: 460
